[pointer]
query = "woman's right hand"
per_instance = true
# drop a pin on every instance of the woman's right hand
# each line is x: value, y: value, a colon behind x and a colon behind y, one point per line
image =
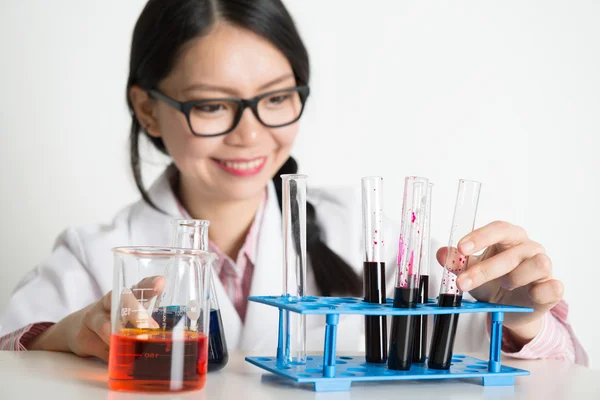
x: 87, y: 332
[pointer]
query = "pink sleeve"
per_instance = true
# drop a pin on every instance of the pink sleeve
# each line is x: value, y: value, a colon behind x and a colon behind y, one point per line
x: 555, y: 340
x: 19, y: 339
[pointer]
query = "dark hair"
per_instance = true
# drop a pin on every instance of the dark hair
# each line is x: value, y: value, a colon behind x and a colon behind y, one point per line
x: 162, y: 29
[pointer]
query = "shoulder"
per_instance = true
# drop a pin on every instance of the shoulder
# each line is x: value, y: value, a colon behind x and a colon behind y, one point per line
x: 137, y: 224
x: 91, y: 244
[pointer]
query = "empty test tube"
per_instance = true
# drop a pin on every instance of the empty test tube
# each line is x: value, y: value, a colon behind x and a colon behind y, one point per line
x: 294, y: 272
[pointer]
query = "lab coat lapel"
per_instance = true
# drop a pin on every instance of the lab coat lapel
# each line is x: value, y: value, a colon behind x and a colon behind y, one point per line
x: 261, y: 325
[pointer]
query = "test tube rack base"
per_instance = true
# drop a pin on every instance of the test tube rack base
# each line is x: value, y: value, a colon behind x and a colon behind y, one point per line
x: 334, y: 373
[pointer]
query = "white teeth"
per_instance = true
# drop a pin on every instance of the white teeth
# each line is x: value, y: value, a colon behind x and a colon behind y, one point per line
x: 243, y: 165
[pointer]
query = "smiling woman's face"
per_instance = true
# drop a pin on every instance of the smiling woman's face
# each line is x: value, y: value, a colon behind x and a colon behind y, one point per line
x: 228, y: 62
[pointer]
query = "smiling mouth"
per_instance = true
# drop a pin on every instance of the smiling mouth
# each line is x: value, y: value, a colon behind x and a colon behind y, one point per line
x: 242, y: 167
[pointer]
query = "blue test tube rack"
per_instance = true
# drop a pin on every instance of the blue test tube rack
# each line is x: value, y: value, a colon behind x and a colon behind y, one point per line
x: 331, y: 373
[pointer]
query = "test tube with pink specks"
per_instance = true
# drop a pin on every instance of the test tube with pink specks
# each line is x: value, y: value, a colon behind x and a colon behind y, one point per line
x: 444, y: 330
x: 421, y: 324
x: 406, y: 294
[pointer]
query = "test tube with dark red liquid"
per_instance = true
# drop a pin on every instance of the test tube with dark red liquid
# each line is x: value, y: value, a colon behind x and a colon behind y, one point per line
x: 406, y: 293
x: 420, y: 347
x: 444, y: 330
x: 374, y: 268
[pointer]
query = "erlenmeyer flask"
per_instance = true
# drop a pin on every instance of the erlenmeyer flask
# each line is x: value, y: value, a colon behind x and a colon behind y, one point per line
x: 193, y: 234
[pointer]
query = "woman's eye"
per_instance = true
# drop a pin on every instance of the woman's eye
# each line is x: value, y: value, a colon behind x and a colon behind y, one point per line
x: 278, y: 99
x: 210, y: 108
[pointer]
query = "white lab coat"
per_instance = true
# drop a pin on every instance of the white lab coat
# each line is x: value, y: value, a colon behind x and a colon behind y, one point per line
x: 80, y: 269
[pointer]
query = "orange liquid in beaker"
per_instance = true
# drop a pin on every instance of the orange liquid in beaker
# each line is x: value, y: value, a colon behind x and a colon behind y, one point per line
x: 157, y: 361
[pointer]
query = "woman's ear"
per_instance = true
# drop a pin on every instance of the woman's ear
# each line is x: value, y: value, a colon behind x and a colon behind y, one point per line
x: 143, y: 106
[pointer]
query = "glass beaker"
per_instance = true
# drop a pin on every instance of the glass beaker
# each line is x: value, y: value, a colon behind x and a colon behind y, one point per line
x: 193, y: 234
x: 151, y: 350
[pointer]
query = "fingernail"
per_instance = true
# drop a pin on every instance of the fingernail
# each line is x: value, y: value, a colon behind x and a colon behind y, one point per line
x: 466, y: 284
x: 468, y: 246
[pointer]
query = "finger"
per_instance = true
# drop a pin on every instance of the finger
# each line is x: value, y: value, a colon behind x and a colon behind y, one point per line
x: 106, y: 301
x: 133, y: 303
x: 149, y: 287
x: 89, y: 344
x: 497, y: 266
x: 535, y: 269
x: 132, y: 311
x: 98, y: 321
x: 546, y: 294
x: 454, y: 261
x: 102, y: 351
x: 499, y: 233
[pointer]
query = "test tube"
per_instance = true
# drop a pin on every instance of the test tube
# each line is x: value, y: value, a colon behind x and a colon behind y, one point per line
x: 407, y: 279
x: 190, y: 233
x: 444, y: 330
x: 374, y: 268
x: 420, y: 346
x: 193, y: 234
x: 186, y: 234
x: 294, y: 272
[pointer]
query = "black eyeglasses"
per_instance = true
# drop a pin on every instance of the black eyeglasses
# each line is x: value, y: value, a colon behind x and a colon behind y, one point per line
x: 219, y: 116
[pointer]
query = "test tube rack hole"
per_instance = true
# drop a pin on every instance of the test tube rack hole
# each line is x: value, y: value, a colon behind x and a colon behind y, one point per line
x: 333, y: 373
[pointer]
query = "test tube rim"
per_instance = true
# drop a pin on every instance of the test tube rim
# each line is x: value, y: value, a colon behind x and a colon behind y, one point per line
x: 192, y: 223
x: 469, y: 181
x: 293, y: 176
x: 416, y: 177
x: 369, y: 178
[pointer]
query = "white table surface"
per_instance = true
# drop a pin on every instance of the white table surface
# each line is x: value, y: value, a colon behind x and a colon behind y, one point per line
x: 46, y: 375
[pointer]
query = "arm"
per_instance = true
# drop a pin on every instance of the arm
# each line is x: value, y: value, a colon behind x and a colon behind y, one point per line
x: 20, y: 339
x: 56, y: 288
x: 556, y: 340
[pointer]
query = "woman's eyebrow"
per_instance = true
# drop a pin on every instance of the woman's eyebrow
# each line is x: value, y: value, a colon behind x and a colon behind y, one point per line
x: 276, y: 81
x: 233, y: 92
x: 212, y: 88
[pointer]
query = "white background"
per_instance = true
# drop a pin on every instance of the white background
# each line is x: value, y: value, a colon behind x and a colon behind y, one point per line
x: 507, y: 93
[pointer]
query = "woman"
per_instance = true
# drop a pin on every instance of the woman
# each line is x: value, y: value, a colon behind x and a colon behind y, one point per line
x: 219, y: 86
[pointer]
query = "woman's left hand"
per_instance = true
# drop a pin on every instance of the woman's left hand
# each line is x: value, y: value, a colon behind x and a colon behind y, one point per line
x: 513, y: 270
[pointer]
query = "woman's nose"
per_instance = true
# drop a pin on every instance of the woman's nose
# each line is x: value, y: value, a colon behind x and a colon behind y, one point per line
x: 248, y: 131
